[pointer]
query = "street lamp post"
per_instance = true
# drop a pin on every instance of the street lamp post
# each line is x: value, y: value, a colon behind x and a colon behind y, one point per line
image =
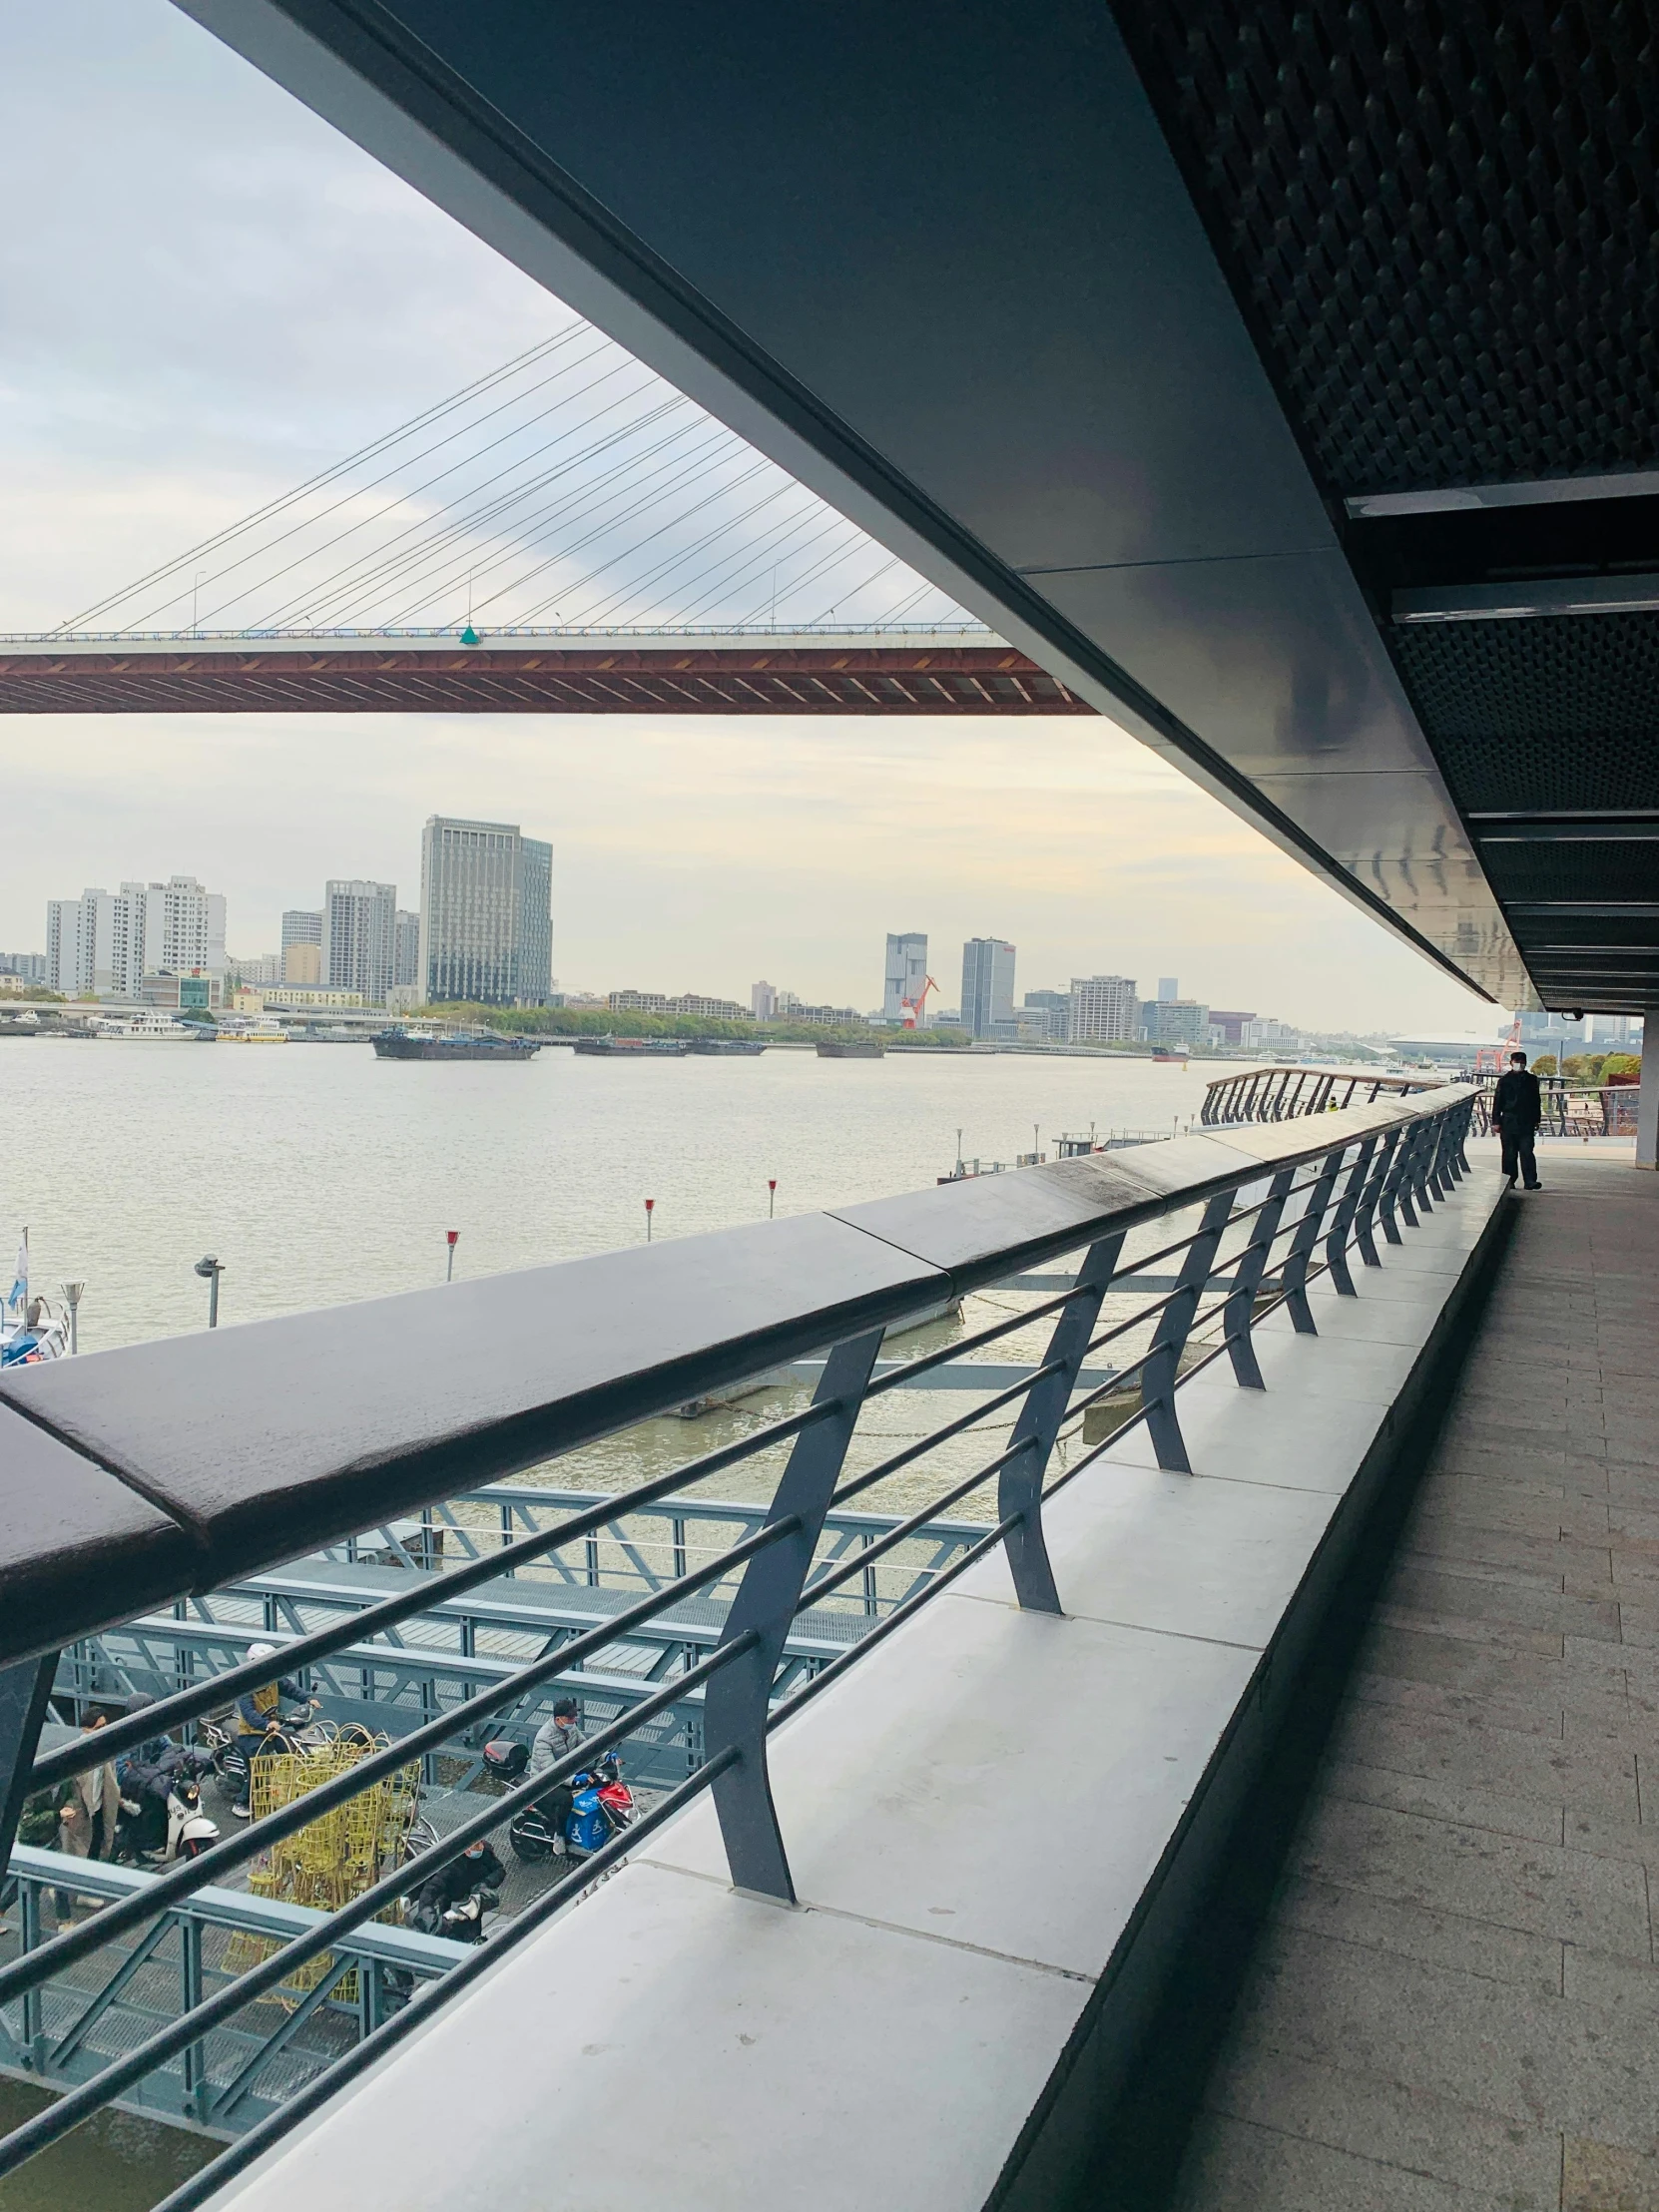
x: 72, y: 1298
x: 772, y: 1195
x: 210, y: 1270
x: 649, y: 1209
x: 451, y: 1238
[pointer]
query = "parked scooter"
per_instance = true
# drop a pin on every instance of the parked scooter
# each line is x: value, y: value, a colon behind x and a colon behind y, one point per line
x: 602, y: 1806
x: 164, y: 1822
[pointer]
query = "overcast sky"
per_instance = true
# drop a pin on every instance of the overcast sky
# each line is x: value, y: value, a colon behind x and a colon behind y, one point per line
x: 209, y: 295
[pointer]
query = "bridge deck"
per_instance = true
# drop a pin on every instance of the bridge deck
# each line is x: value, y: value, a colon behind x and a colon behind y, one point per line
x: 682, y: 675
x: 1455, y: 2002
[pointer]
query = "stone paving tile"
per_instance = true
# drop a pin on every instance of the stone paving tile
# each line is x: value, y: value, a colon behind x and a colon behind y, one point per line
x: 1235, y: 2166
x: 1367, y: 2117
x: 1531, y: 2058
x: 1619, y: 1984
x: 1466, y: 1749
x: 1424, y: 1932
x: 1455, y: 1999
x: 1608, y: 2177
x: 1542, y: 1888
x: 1417, y: 1586
x: 1439, y: 1796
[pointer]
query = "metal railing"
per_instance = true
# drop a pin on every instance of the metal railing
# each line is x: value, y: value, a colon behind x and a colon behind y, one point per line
x: 1570, y: 1109
x: 1262, y: 1213
x: 1283, y: 1092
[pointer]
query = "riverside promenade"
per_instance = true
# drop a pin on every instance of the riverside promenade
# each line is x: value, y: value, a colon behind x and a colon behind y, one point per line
x: 1455, y: 2002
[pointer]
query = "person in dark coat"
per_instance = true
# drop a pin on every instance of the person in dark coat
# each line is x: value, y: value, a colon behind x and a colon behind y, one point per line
x: 1517, y: 1109
x: 477, y: 1867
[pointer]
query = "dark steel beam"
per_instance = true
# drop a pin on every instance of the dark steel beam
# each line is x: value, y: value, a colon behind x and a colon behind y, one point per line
x: 1566, y: 829
x: 677, y: 678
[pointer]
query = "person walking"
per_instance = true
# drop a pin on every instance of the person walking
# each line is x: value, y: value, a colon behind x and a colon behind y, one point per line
x: 87, y: 1816
x: 1517, y: 1109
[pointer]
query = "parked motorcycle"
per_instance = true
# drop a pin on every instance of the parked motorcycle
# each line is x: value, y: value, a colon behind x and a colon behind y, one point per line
x: 602, y: 1806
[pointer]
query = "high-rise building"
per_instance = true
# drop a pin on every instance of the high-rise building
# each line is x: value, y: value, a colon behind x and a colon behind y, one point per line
x: 108, y: 943
x: 1104, y: 1009
x: 360, y: 938
x: 486, y: 920
x: 763, y: 1001
x: 1177, y: 1021
x: 302, y: 925
x: 80, y: 944
x: 1054, y: 1009
x: 28, y: 968
x: 907, y: 972
x: 1229, y: 1027
x: 1169, y: 988
x: 987, y: 984
x: 406, y: 960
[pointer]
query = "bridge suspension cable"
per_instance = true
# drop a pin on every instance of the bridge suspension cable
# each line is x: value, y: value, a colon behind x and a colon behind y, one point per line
x: 569, y: 487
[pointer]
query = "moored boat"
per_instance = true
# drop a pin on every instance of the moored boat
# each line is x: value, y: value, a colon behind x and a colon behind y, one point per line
x: 452, y: 1044
x: 633, y: 1048
x: 832, y: 1048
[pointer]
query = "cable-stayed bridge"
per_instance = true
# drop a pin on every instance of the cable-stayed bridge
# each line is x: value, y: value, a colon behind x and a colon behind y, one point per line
x: 566, y: 534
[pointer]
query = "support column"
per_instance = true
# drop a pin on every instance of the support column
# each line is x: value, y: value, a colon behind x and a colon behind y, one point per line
x: 1647, y: 1105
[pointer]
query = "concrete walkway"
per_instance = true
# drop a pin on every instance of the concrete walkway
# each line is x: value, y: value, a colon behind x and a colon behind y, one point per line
x: 1456, y: 2002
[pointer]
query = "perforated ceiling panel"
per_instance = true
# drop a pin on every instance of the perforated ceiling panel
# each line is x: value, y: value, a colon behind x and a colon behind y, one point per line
x: 1557, y: 714
x: 1614, y: 871
x: 1443, y: 220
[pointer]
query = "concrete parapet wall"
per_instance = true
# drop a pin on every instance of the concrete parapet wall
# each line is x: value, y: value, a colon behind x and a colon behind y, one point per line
x: 1000, y: 1827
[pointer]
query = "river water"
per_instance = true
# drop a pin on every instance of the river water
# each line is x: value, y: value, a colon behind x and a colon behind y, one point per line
x: 318, y: 1173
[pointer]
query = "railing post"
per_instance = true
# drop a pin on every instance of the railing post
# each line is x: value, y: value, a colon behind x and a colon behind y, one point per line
x: 1294, y: 1278
x: 1019, y: 1487
x: 1335, y: 1243
x: 23, y: 1689
x: 1388, y: 1196
x: 735, y: 1703
x: 1405, y: 1181
x: 195, y: 2089
x: 1162, y: 1368
x: 1366, y: 1215
x: 1421, y: 1163
x: 1247, y: 1279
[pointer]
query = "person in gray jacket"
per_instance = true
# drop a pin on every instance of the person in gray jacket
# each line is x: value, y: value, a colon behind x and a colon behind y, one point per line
x: 555, y: 1740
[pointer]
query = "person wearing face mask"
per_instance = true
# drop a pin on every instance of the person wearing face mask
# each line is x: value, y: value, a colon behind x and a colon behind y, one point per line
x: 474, y: 1870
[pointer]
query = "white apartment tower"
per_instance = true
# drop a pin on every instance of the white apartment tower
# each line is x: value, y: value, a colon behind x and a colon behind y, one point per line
x: 108, y: 943
x: 486, y: 923
x: 1104, y: 1009
x: 360, y: 938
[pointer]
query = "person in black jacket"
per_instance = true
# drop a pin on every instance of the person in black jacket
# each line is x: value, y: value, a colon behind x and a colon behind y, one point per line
x: 1517, y: 1109
x: 475, y: 1869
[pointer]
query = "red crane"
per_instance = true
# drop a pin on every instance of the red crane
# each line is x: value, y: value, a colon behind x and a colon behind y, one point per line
x: 912, y: 1007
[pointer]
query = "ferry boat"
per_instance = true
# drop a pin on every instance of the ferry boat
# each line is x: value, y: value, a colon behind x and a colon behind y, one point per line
x: 833, y: 1049
x: 633, y: 1048
x: 264, y: 1031
x: 150, y: 1023
x: 452, y: 1044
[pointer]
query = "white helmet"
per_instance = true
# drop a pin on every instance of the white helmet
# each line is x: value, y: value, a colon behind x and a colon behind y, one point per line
x: 261, y: 1651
